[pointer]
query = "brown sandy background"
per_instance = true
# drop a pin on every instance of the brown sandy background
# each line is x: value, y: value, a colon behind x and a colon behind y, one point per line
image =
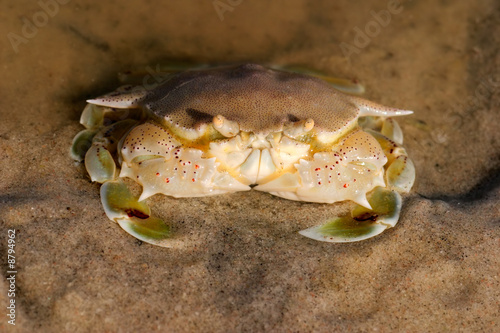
x: 243, y: 266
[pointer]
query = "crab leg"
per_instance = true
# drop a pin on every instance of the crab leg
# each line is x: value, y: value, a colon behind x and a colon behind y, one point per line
x: 81, y: 144
x: 388, y: 127
x: 93, y: 118
x: 132, y: 215
x: 100, y: 164
x: 99, y: 161
x: 399, y: 169
x: 362, y: 223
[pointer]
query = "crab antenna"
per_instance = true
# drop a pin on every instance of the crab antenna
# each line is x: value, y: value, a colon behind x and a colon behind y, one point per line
x: 298, y: 128
x: 123, y: 98
x: 226, y: 127
x: 368, y: 108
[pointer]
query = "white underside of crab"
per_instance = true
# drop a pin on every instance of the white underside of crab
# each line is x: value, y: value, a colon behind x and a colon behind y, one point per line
x: 279, y: 165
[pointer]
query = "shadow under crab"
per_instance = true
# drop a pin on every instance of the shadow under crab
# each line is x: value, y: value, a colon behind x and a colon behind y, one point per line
x: 227, y: 129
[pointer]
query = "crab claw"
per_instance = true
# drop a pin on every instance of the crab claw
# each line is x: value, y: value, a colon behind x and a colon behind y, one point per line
x: 362, y: 223
x: 132, y: 215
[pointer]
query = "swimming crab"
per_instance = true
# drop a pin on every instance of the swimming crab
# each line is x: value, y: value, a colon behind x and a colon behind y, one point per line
x: 233, y: 128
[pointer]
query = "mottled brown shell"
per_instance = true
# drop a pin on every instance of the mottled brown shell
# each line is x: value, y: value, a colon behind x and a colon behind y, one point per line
x: 258, y: 98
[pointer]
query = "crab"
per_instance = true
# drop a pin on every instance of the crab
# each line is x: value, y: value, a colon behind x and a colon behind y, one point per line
x: 225, y: 129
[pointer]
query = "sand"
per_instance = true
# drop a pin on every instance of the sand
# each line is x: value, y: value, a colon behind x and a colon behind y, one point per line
x: 243, y: 267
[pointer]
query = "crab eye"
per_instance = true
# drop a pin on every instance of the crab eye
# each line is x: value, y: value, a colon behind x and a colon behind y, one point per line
x: 199, y: 116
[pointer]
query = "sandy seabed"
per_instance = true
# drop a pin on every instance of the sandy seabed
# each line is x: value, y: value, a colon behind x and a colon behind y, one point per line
x: 243, y: 267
